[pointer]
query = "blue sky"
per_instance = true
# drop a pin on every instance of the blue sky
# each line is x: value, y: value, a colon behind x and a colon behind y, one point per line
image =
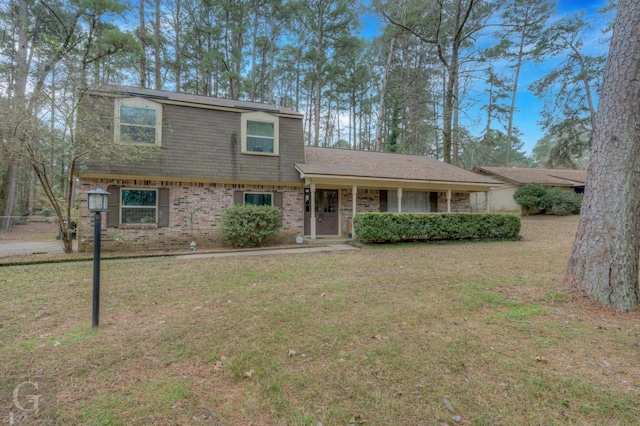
x: 529, y: 107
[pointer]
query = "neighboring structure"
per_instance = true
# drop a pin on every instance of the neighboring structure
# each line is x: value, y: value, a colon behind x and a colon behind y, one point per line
x: 513, y: 178
x: 193, y: 156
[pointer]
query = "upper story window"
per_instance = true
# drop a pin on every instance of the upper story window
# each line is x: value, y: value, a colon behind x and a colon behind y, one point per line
x: 138, y: 121
x: 259, y: 134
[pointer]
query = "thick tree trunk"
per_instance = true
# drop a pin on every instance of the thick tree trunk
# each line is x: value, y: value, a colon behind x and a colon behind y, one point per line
x: 606, y: 248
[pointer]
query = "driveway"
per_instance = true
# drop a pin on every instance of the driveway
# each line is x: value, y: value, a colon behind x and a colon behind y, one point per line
x: 17, y: 248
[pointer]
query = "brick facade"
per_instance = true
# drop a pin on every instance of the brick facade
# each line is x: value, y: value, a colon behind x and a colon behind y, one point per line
x: 369, y: 201
x: 195, y: 213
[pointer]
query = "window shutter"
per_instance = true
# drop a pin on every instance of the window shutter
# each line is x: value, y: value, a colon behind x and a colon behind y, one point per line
x: 277, y: 199
x: 383, y: 200
x: 238, y: 197
x: 113, y: 214
x: 163, y: 207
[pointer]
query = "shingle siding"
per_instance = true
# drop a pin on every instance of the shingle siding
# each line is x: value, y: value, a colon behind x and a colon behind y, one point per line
x: 200, y: 143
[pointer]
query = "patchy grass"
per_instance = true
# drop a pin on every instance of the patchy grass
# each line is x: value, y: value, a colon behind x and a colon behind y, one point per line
x: 396, y: 335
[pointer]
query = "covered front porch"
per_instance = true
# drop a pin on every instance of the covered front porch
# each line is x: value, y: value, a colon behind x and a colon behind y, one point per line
x: 340, y: 183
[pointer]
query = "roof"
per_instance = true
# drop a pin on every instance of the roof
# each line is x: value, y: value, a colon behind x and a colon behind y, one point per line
x: 164, y: 96
x: 328, y: 162
x: 547, y: 177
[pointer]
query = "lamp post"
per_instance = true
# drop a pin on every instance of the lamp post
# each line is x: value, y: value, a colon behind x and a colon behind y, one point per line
x: 98, y: 200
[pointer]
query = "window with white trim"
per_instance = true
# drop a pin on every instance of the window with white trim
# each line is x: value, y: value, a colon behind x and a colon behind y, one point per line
x: 412, y: 202
x: 258, y: 198
x: 260, y: 133
x: 137, y: 121
x: 138, y: 206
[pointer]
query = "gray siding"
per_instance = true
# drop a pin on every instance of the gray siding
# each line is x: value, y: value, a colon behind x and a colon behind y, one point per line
x: 200, y: 143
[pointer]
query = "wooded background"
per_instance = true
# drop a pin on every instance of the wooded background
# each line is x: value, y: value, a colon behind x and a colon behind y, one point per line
x: 436, y: 78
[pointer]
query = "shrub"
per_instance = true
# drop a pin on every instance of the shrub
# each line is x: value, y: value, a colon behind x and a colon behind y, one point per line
x: 531, y: 195
x: 561, y: 202
x: 249, y: 225
x: 394, y: 227
x: 555, y: 201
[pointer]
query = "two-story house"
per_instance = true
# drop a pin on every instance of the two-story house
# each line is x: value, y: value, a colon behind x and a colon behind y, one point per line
x: 193, y: 156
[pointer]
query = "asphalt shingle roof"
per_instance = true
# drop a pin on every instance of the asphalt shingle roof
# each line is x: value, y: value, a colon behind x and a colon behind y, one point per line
x: 379, y: 165
x: 548, y: 177
x: 195, y: 100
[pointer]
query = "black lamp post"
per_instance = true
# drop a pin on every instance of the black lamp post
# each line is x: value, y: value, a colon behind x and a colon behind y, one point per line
x: 98, y: 202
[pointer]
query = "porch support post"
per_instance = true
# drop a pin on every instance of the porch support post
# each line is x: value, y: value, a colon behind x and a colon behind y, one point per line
x: 448, y: 201
x: 400, y: 200
x: 354, y: 192
x: 487, y: 196
x: 313, y: 211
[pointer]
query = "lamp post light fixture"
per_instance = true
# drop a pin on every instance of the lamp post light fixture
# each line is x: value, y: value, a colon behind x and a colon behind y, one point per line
x: 98, y: 200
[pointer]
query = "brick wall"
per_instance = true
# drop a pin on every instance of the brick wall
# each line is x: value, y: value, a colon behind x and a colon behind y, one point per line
x: 195, y: 214
x: 368, y: 200
x: 460, y: 202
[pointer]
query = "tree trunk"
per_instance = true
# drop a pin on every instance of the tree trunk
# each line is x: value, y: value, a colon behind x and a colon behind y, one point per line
x: 383, y: 94
x: 143, y: 55
x: 514, y: 92
x: 605, y: 253
x: 10, y: 196
x: 156, y: 49
x: 254, y: 50
x: 18, y: 116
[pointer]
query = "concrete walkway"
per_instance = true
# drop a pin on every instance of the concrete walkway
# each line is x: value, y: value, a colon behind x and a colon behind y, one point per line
x: 302, y: 249
x: 18, y: 248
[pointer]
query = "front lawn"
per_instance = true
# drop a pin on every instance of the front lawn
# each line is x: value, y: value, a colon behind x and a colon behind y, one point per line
x: 467, y: 333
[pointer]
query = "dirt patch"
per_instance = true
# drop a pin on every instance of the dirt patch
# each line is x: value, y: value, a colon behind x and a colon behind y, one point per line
x: 31, y: 231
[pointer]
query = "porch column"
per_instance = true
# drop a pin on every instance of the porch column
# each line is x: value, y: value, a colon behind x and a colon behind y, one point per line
x: 448, y: 201
x: 487, y: 194
x: 400, y: 200
x: 313, y: 210
x: 354, y: 192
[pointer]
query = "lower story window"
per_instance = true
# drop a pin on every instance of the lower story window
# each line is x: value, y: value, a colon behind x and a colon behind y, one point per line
x: 139, y: 206
x: 258, y: 198
x: 412, y: 201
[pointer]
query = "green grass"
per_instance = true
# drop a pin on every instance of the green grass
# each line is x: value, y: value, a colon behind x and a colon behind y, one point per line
x: 380, y: 336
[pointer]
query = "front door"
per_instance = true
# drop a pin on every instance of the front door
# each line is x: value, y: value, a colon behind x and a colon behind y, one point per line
x: 327, y: 214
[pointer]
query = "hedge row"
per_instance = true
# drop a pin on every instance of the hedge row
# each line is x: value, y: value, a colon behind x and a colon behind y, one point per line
x: 395, y: 227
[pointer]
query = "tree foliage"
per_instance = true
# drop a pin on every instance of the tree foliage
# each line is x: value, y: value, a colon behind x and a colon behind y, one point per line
x: 414, y: 87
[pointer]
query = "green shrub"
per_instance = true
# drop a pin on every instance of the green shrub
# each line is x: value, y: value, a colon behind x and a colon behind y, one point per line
x: 395, y: 227
x: 555, y: 201
x: 249, y: 225
x: 561, y: 202
x: 531, y: 195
